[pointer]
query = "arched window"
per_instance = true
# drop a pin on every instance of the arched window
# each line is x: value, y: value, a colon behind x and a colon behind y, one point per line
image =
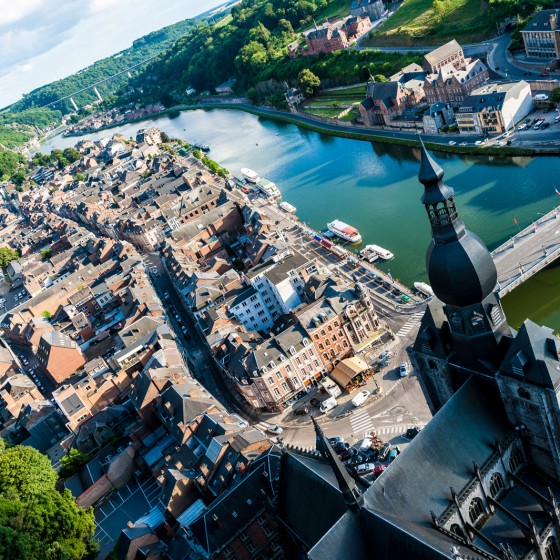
x: 551, y: 549
x: 455, y: 528
x: 476, y: 509
x: 496, y: 484
x: 515, y: 460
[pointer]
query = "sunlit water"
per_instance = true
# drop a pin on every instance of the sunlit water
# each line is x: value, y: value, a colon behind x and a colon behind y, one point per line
x: 374, y: 187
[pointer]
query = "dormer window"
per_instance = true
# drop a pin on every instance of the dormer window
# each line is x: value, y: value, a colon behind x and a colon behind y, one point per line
x: 292, y: 350
x: 518, y: 363
x: 305, y: 341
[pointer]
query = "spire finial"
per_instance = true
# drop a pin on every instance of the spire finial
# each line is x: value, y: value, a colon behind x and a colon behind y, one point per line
x: 352, y: 495
x: 430, y: 172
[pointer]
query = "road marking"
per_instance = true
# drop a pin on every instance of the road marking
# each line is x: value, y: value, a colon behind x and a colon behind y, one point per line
x: 410, y: 324
x: 361, y: 422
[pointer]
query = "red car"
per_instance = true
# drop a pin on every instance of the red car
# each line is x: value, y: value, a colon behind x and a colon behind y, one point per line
x: 379, y: 469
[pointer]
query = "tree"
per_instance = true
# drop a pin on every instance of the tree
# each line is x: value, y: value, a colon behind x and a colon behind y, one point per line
x: 46, y: 254
x: 72, y: 463
x: 7, y: 255
x: 309, y: 82
x: 18, y: 178
x: 80, y: 177
x: 554, y: 95
x: 46, y: 314
x: 380, y: 78
x: 36, y: 520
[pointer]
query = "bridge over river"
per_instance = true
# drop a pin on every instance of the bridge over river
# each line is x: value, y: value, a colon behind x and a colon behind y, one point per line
x: 527, y: 252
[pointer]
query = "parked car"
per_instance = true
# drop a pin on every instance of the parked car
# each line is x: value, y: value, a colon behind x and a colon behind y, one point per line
x: 545, y: 125
x: 384, y: 453
x: 379, y: 469
x: 364, y: 468
x: 315, y: 402
x: 336, y: 439
x: 328, y: 404
x: 340, y: 447
x: 348, y: 454
x: 412, y: 433
x: 403, y: 369
x: 274, y: 429
x: 394, y: 453
x: 301, y: 411
x: 356, y: 460
x: 361, y: 398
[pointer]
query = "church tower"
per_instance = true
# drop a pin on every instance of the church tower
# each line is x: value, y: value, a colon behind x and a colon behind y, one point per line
x: 464, y: 330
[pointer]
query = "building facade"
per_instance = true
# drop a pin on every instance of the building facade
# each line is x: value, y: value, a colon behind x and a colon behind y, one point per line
x: 541, y: 36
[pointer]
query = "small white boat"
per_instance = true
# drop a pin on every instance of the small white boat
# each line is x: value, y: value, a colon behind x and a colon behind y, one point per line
x: 374, y: 252
x: 345, y: 231
x: 250, y: 175
x: 426, y: 289
x: 287, y: 207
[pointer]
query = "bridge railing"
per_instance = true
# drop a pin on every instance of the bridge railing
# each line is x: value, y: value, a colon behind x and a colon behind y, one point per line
x: 536, y: 267
x: 553, y: 214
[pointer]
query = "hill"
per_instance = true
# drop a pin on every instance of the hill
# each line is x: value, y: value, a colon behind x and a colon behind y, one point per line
x: 434, y: 22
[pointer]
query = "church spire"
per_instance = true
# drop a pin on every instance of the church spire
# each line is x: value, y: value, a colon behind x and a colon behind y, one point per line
x: 352, y: 495
x: 460, y: 267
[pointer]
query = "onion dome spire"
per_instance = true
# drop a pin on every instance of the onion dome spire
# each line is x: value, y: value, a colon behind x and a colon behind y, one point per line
x: 460, y: 268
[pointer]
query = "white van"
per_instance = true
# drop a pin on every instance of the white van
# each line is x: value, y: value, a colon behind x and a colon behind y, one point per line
x: 360, y: 398
x: 328, y: 404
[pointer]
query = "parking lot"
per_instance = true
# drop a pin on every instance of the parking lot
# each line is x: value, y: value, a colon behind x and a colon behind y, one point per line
x: 131, y: 502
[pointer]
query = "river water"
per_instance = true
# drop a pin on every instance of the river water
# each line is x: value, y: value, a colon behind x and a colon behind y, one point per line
x: 374, y: 188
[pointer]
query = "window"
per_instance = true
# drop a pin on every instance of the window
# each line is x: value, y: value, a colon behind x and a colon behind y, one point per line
x: 278, y: 375
x: 276, y: 393
x: 329, y: 328
x: 257, y: 305
x: 243, y: 536
x: 321, y: 347
x: 285, y: 387
x: 288, y: 368
x: 303, y: 371
x: 476, y: 509
x: 316, y: 364
x: 325, y: 356
x: 515, y: 460
x: 261, y: 313
x: 253, y: 298
x: 496, y: 484
x: 457, y: 530
x: 270, y: 380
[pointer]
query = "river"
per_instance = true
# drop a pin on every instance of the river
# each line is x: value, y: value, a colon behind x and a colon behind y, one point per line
x: 374, y: 187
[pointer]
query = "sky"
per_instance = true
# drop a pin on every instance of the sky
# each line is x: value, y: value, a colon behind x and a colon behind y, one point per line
x: 44, y: 40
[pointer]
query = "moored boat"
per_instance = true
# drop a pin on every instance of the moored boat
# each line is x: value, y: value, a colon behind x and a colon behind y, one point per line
x: 374, y: 252
x: 426, y: 289
x: 202, y: 147
x: 287, y: 207
x: 269, y: 189
x: 250, y: 175
x: 345, y: 231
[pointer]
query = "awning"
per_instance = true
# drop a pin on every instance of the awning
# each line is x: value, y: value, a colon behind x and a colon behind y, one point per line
x: 346, y: 370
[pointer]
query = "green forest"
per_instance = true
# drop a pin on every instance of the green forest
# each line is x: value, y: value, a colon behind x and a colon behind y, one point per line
x: 252, y: 48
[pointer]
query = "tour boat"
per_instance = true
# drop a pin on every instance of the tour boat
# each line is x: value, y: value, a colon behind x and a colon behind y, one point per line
x: 287, y: 207
x: 202, y: 147
x: 426, y: 289
x: 345, y: 231
x: 269, y: 189
x: 250, y: 175
x: 374, y: 252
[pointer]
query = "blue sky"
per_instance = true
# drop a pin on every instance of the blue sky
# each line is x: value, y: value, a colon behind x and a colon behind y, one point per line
x: 44, y: 40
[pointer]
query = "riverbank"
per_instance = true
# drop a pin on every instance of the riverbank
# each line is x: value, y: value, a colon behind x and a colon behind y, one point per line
x: 346, y: 131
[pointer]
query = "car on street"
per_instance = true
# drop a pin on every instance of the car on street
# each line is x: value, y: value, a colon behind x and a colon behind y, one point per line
x: 364, y: 468
x: 403, y: 369
x: 328, y: 404
x: 340, y: 447
x: 412, y: 433
x: 379, y: 469
x: 545, y: 125
x: 336, y: 439
x: 356, y: 460
x: 301, y: 411
x: 393, y: 454
x: 361, y: 398
x: 274, y: 429
x: 348, y: 453
x: 384, y: 453
x: 315, y: 402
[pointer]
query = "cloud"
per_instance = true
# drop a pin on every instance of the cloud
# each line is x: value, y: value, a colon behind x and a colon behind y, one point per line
x: 30, y: 27
x: 102, y: 5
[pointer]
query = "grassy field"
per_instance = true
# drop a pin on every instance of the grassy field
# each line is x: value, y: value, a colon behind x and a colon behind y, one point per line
x: 224, y: 21
x: 323, y: 112
x: 345, y: 96
x: 335, y: 10
x: 415, y: 23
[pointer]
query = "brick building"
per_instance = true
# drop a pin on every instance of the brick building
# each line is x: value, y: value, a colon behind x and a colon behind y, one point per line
x: 541, y: 36
x: 59, y: 355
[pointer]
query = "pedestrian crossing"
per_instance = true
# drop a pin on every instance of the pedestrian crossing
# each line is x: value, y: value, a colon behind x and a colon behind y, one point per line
x: 395, y: 430
x: 410, y: 324
x: 361, y: 422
